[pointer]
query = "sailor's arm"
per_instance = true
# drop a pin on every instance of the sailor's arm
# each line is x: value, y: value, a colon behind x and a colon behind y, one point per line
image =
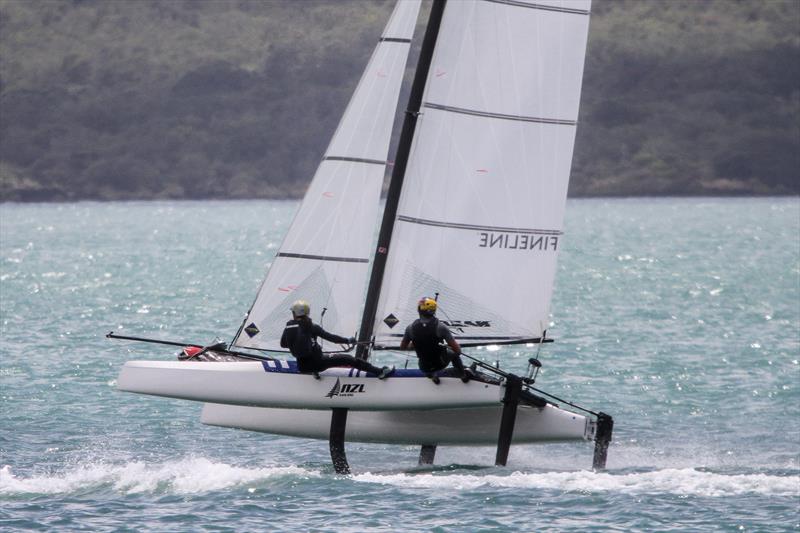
x: 330, y: 336
x: 407, y: 343
x: 445, y: 333
x: 453, y: 344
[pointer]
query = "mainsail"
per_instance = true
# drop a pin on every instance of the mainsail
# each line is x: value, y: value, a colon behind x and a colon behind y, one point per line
x: 325, y: 256
x: 480, y: 217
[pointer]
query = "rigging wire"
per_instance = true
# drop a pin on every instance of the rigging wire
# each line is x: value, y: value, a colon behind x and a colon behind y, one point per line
x: 560, y: 400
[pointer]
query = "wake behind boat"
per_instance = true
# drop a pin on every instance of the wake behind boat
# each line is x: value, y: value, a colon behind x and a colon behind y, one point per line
x: 473, y: 218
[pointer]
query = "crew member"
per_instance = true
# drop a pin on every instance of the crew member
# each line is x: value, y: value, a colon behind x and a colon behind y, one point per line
x: 425, y: 335
x: 300, y: 336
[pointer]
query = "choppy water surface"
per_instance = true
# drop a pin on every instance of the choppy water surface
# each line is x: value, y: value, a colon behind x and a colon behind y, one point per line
x: 681, y: 318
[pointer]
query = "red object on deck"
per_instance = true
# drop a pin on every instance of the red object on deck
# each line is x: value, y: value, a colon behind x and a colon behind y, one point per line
x: 191, y: 351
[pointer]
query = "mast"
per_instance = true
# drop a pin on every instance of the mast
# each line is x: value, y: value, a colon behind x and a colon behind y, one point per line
x: 398, y: 174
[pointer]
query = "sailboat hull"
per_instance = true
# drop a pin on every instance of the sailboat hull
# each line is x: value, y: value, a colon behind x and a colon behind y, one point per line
x: 470, y: 426
x: 259, y: 384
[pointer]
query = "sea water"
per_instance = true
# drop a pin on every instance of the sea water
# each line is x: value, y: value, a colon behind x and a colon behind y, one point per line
x: 680, y: 318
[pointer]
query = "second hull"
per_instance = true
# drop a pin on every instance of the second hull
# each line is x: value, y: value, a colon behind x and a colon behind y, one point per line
x: 469, y: 426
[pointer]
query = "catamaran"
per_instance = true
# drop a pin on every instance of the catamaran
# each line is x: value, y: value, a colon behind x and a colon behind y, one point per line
x: 473, y: 217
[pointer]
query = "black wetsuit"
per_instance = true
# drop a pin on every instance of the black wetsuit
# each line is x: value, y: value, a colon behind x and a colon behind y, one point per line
x: 427, y: 334
x: 300, y: 336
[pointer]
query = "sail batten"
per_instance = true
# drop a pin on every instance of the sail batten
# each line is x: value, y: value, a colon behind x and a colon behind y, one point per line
x: 353, y: 159
x: 540, y: 5
x: 324, y: 257
x: 503, y: 116
x: 455, y: 225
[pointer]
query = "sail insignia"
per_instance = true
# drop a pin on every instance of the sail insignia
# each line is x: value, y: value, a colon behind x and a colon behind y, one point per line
x: 391, y: 320
x: 252, y: 330
x: 335, y: 389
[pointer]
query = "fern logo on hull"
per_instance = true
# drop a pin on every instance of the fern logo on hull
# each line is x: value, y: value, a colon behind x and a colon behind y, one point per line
x: 345, y: 389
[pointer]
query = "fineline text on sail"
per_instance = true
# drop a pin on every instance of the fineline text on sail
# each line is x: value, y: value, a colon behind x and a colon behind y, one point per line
x: 518, y: 241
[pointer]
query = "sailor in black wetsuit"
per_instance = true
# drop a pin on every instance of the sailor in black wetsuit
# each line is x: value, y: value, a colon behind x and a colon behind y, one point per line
x: 425, y: 335
x: 300, y: 336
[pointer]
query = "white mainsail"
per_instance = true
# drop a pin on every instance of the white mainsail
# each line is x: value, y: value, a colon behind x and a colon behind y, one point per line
x: 480, y: 217
x: 325, y: 256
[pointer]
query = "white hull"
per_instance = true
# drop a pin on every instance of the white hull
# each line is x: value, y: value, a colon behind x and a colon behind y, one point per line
x: 403, y: 409
x: 249, y: 384
x: 471, y: 426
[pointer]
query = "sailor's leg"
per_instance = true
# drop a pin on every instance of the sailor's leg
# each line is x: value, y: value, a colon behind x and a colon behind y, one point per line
x: 431, y: 367
x: 347, y: 360
x: 309, y: 366
x: 458, y: 365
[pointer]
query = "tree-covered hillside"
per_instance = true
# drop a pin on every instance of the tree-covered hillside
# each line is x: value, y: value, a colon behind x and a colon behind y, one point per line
x: 238, y: 98
x: 691, y: 97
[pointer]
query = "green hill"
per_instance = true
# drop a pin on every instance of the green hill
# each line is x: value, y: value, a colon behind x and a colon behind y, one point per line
x: 237, y: 99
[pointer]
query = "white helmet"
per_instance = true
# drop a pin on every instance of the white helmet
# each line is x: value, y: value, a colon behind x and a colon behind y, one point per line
x: 300, y: 308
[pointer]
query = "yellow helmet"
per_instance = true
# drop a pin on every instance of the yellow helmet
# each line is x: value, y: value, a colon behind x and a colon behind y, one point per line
x: 300, y: 308
x: 427, y: 306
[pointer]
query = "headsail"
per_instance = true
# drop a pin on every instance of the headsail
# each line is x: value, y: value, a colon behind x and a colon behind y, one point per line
x: 480, y: 217
x: 325, y: 256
